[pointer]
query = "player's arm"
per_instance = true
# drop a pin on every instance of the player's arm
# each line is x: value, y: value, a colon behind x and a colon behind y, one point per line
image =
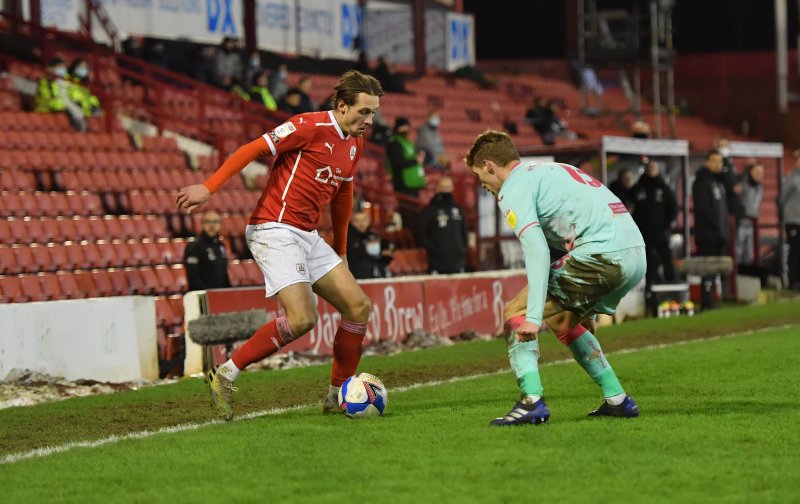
x: 537, y: 269
x: 341, y: 208
x: 289, y: 136
x: 191, y: 197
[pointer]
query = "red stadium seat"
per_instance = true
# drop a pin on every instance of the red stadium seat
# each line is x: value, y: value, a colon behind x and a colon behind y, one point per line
x: 166, y: 284
x: 164, y: 313
x: 69, y: 287
x: 41, y: 258
x: 135, y: 281
x: 152, y: 252
x: 149, y: 281
x: 119, y: 282
x: 11, y: 205
x: 10, y: 289
x: 91, y: 257
x: 177, y: 309
x: 107, y: 255
x: 86, y: 284
x: 179, y: 275
x: 51, y: 287
x: 103, y: 283
x: 75, y: 255
x: 66, y: 228
x: 18, y: 231
x: 60, y: 258
x: 32, y: 288
x: 5, y: 231
x: 82, y: 230
x: 8, y: 263
x: 23, y: 259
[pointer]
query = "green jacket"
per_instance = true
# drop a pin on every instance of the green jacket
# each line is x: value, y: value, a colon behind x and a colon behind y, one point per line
x: 81, y: 95
x: 263, y: 95
x: 402, y: 164
x: 48, y: 97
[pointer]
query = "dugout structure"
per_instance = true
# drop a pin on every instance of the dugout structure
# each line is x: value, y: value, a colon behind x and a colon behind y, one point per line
x: 760, y: 151
x: 676, y: 149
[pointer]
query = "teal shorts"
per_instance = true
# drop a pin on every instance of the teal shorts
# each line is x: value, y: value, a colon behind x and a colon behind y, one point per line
x: 595, y: 283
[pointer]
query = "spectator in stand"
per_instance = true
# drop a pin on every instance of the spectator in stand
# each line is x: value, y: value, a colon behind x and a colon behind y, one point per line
x: 79, y: 91
x: 367, y: 254
x: 789, y: 204
x: 53, y: 94
x: 362, y: 65
x: 443, y: 231
x: 429, y: 141
x: 228, y: 63
x: 655, y: 208
x: 259, y: 91
x: 545, y: 120
x: 205, y: 259
x: 380, y: 130
x: 253, y: 67
x: 277, y: 82
x: 205, y: 69
x: 752, y: 194
x: 711, y: 228
x: 621, y: 187
x: 306, y: 103
x: 291, y: 102
x: 390, y: 81
x: 733, y: 186
x: 640, y: 129
x: 403, y: 161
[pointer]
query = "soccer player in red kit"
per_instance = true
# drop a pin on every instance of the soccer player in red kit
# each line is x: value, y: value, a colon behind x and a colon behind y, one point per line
x: 316, y: 154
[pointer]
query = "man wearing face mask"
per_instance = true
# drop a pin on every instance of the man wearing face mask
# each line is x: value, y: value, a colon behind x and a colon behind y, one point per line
x: 205, y: 259
x: 443, y: 231
x: 79, y: 91
x: 252, y: 67
x: 654, y: 209
x: 429, y: 140
x: 50, y: 93
x: 228, y: 62
x: 403, y: 161
x: 367, y: 254
x: 278, y: 86
x: 733, y: 187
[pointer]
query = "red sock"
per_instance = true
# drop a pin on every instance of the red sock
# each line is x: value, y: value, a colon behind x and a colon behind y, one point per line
x: 568, y: 337
x: 347, y: 345
x: 269, y: 338
x: 513, y: 324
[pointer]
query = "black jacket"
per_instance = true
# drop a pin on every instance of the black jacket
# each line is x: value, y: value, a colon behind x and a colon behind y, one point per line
x: 654, y: 206
x: 710, y: 208
x: 206, y: 263
x: 619, y: 190
x: 362, y: 264
x: 443, y: 232
x: 730, y: 179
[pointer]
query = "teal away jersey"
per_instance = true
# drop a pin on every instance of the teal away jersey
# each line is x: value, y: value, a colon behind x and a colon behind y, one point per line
x: 561, y: 206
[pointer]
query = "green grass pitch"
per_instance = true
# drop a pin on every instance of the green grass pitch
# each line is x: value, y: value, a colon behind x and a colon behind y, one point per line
x: 719, y: 424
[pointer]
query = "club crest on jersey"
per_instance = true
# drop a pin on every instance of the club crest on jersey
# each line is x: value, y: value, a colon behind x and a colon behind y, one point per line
x: 352, y: 152
x: 511, y: 218
x: 284, y: 130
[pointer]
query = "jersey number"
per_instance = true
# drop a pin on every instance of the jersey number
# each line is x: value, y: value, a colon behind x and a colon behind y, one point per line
x: 581, y: 176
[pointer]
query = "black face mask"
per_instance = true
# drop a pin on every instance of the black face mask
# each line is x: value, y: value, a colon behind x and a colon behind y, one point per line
x: 640, y: 135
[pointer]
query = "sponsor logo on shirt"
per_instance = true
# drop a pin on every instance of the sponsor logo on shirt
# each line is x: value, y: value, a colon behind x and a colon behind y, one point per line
x: 274, y: 137
x: 511, y: 218
x: 618, y: 208
x: 284, y: 130
x: 352, y: 152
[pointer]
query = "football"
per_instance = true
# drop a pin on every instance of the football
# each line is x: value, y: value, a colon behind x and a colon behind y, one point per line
x: 363, y: 395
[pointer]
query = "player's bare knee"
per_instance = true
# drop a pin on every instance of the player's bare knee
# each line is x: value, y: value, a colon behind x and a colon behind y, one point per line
x: 303, y: 322
x: 359, y: 310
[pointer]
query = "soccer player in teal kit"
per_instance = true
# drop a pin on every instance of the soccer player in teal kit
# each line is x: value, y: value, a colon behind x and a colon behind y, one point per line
x: 554, y: 205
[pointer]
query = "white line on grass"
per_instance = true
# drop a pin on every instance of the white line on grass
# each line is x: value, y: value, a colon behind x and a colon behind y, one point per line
x: 52, y: 450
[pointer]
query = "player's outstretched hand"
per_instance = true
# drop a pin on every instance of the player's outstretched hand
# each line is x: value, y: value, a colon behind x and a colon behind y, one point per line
x: 528, y: 331
x: 191, y: 197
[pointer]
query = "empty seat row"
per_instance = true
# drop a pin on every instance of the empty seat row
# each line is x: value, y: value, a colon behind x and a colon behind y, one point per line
x: 89, y: 255
x: 245, y: 273
x: 49, y: 204
x: 169, y: 311
x: 28, y: 230
x: 102, y: 181
x: 159, y: 144
x: 163, y: 202
x: 17, y: 180
x: 63, y: 141
x: 159, y: 280
x: 71, y: 159
x: 32, y: 121
x: 409, y: 262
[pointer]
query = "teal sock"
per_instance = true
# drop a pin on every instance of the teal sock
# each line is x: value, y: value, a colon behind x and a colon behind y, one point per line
x: 586, y: 350
x: 524, y: 358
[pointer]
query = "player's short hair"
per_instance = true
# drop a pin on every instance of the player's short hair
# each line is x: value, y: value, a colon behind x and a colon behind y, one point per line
x: 712, y: 152
x: 492, y: 145
x: 352, y: 83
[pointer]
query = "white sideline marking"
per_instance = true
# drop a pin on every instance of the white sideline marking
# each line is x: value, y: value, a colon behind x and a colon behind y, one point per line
x: 52, y: 450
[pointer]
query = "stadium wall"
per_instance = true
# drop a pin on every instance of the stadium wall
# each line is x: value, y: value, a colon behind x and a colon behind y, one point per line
x: 104, y: 339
